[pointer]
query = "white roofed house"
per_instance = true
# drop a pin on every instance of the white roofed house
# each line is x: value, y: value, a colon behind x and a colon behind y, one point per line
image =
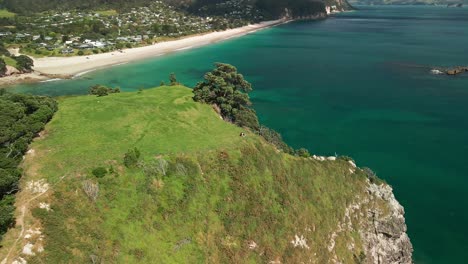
x: 98, y: 44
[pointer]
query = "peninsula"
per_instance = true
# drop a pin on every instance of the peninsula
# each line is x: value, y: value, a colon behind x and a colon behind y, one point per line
x: 158, y: 175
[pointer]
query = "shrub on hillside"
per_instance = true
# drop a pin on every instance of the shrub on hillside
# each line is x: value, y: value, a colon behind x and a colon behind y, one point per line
x: 102, y: 90
x: 3, y: 68
x: 131, y: 158
x: 247, y: 117
x: 7, y: 217
x: 4, y: 51
x: 173, y: 79
x: 274, y: 138
x: 302, y: 152
x: 99, y: 172
x: 372, y: 176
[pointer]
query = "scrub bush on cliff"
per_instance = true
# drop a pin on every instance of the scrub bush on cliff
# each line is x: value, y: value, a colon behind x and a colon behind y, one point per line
x: 131, y: 158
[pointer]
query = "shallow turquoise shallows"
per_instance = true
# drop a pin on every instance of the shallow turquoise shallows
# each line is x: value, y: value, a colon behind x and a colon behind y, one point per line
x: 356, y: 84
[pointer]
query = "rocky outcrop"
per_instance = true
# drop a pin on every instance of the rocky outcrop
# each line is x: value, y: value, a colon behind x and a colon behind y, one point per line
x: 10, y: 70
x: 379, y: 219
x: 450, y: 71
x: 384, y: 235
x: 456, y: 70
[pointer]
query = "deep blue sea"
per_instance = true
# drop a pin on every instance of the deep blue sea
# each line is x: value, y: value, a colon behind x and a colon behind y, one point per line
x: 356, y: 84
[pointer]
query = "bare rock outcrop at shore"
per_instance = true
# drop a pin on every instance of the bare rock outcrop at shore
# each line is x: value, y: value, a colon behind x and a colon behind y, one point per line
x: 10, y: 70
x: 450, y: 71
x: 457, y: 70
x: 384, y: 236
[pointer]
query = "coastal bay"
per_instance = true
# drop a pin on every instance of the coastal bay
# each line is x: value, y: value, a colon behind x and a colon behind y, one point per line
x: 354, y: 85
x: 68, y: 67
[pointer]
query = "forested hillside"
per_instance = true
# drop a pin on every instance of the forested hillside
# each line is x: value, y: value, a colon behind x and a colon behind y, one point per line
x: 410, y: 2
x: 270, y: 8
x: 21, y: 118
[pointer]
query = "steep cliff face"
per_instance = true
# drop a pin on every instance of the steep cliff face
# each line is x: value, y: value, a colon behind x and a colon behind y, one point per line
x: 384, y: 233
x: 373, y: 225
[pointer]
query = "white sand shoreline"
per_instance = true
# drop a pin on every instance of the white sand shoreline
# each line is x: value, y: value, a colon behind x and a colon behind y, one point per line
x: 68, y: 67
x: 55, y: 68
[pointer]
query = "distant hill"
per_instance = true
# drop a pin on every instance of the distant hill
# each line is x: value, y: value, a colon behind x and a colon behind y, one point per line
x: 270, y: 8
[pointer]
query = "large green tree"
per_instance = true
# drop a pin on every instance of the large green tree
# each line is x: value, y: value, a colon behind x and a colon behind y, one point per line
x: 228, y: 90
x: 3, y: 68
x: 24, y: 63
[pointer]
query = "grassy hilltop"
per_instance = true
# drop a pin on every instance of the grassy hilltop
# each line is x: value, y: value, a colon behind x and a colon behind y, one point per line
x: 220, y: 198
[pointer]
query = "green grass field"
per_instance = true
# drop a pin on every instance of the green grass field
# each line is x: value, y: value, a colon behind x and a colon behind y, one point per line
x: 9, y: 61
x: 164, y: 120
x: 220, y: 192
x: 6, y: 13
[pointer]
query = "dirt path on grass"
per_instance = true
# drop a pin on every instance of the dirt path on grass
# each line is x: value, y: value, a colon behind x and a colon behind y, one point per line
x: 20, y: 220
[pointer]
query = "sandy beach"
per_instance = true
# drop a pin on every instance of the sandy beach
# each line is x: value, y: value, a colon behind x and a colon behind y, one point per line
x: 68, y: 67
x: 71, y: 66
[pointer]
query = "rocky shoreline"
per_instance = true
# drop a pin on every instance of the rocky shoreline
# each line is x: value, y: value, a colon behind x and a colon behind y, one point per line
x: 30, y: 77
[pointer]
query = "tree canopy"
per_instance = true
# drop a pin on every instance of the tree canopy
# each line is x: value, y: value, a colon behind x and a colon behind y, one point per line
x: 3, y: 68
x: 24, y: 63
x: 228, y: 90
x: 21, y: 118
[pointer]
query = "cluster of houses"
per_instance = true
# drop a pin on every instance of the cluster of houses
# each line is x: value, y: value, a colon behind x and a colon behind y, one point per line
x: 106, y: 30
x: 238, y: 9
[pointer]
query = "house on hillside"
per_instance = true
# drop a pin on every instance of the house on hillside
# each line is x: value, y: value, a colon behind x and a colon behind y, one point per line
x: 67, y: 51
x: 98, y: 44
x: 85, y: 46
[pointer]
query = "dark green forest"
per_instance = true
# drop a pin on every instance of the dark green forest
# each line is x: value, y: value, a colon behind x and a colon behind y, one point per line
x: 22, y: 117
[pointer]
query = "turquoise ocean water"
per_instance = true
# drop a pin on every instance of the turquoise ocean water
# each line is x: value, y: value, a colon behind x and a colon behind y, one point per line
x: 356, y: 84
